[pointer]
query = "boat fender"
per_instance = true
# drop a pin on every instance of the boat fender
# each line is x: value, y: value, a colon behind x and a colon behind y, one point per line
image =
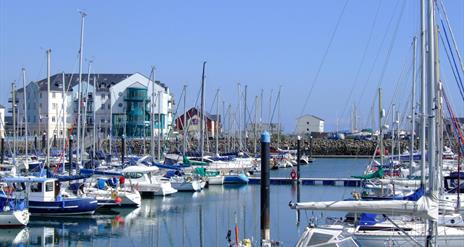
x: 118, y: 200
x: 293, y: 174
x: 113, y: 194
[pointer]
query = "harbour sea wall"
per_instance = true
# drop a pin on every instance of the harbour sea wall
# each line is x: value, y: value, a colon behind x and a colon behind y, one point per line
x: 345, y: 148
x: 320, y: 147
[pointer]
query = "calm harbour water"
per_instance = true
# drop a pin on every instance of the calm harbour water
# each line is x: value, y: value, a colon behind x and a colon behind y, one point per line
x: 192, y: 219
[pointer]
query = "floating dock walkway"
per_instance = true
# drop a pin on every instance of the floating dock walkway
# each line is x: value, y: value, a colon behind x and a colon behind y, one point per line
x: 347, y: 182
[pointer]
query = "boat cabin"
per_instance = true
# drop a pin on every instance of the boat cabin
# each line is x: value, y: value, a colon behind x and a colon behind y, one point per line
x: 140, y: 174
x: 452, y: 181
x: 45, y: 190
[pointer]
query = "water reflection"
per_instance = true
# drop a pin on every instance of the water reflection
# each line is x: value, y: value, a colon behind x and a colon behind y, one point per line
x: 183, y: 219
x: 15, y: 236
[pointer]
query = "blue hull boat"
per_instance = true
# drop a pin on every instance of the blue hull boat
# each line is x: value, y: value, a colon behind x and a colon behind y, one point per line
x: 236, y: 179
x: 72, y: 206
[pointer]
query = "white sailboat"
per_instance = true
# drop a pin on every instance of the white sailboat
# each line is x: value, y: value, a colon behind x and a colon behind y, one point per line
x: 432, y: 229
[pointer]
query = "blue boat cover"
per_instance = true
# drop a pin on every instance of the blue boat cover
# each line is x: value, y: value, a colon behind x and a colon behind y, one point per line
x: 165, y: 166
x: 96, y: 172
x: 172, y: 173
x: 368, y: 219
x: 413, y: 197
x: 64, y: 178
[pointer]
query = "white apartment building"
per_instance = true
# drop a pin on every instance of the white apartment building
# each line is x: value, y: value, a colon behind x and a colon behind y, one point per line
x: 48, y: 112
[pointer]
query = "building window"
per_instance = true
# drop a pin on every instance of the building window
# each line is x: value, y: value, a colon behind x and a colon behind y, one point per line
x: 53, y: 119
x: 53, y: 95
x: 40, y: 95
x: 307, y: 122
x: 307, y: 129
x: 54, y: 106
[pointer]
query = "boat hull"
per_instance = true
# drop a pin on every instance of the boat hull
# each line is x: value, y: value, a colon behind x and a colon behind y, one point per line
x: 216, y: 180
x: 397, y: 239
x: 163, y: 189
x: 16, y: 218
x: 76, y: 206
x: 236, y: 179
x: 130, y: 199
x: 187, y: 186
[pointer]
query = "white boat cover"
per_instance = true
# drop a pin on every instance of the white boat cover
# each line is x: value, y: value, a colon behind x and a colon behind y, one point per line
x: 401, y: 182
x: 424, y: 207
x: 141, y: 169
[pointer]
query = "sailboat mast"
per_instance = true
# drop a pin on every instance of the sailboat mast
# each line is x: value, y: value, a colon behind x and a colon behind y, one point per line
x: 254, y: 126
x: 79, y: 100
x: 245, y: 133
x: 223, y: 126
x: 393, y: 132
x: 86, y: 100
x: 110, y: 128
x: 278, y: 118
x: 159, y: 126
x: 380, y: 126
x: 144, y: 141
x: 431, y: 114
x: 152, y: 117
x: 413, y: 106
x: 439, y: 111
x: 217, y: 123
x: 184, y: 147
x: 240, y: 147
x: 49, y: 51
x: 270, y: 112
x: 25, y: 113
x: 94, y: 115
x: 423, y: 119
x: 202, y: 114
x: 13, y: 107
x: 63, y: 120
x: 398, y: 134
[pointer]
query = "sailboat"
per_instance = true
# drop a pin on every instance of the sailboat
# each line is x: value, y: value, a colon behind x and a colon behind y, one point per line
x: 14, y: 210
x: 430, y: 229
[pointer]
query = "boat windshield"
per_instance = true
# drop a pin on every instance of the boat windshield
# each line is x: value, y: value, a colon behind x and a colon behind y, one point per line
x: 133, y: 175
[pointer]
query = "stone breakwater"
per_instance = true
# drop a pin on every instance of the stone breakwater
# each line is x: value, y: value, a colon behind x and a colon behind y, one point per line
x: 347, y: 147
x: 320, y: 146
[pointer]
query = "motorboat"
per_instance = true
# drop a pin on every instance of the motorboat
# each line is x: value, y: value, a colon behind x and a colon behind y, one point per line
x: 146, y: 180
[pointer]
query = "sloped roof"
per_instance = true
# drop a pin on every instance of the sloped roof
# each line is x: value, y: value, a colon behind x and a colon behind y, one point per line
x: 104, y: 81
x: 193, y: 111
x: 2, y: 107
x: 310, y: 115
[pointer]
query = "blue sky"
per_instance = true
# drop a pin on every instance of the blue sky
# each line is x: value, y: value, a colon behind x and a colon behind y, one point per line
x: 262, y: 44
